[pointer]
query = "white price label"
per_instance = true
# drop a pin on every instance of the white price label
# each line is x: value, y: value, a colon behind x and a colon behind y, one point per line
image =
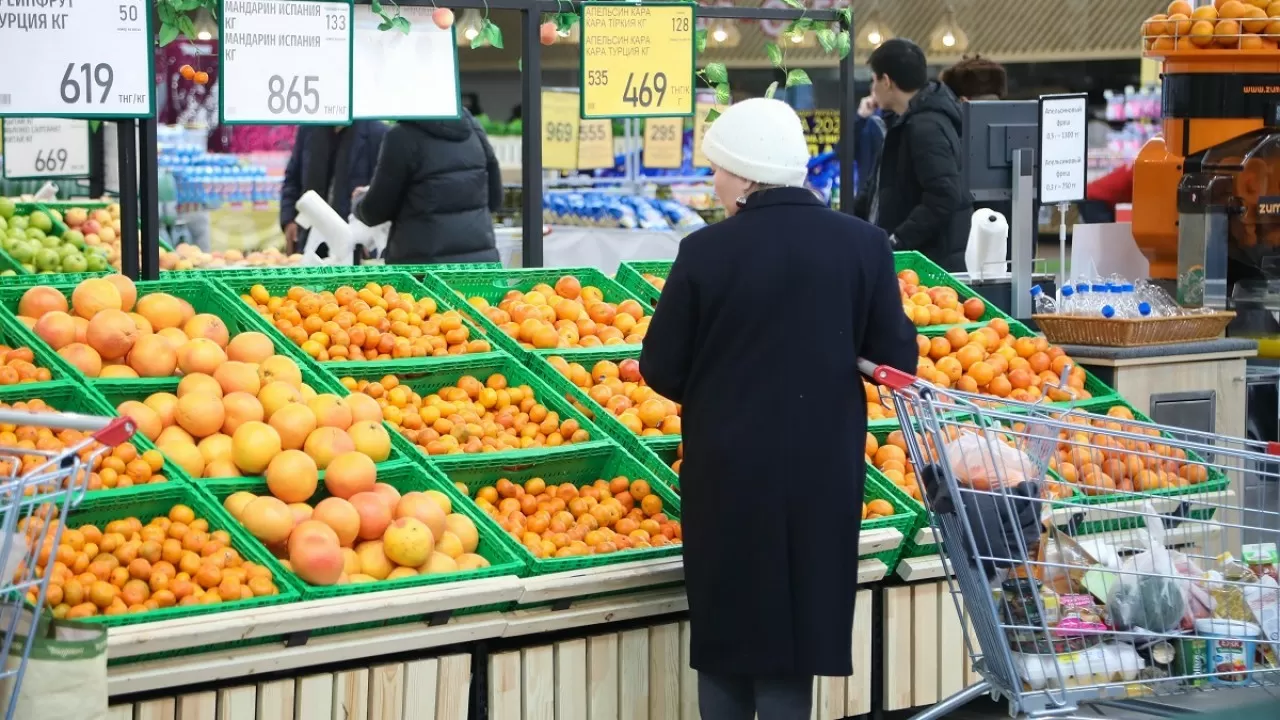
x: 385, y: 62
x: 87, y: 58
x: 285, y: 62
x: 45, y: 148
x: 1064, y: 148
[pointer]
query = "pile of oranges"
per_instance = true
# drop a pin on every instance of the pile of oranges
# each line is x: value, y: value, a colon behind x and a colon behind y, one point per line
x: 1099, y: 463
x: 891, y: 459
x: 376, y: 322
x: 123, y: 467
x: 128, y: 567
x: 991, y: 361
x: 17, y: 365
x: 675, y: 464
x: 1227, y: 24
x: 566, y: 520
x: 935, y: 305
x: 619, y: 388
x: 470, y: 416
x: 876, y: 509
x: 655, y: 281
x: 566, y: 315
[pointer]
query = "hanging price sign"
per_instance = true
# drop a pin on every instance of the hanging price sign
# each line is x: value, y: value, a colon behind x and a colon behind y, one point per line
x: 595, y: 145
x: 664, y: 143
x: 77, y: 58
x: 385, y: 63
x: 560, y: 130
x: 45, y: 148
x: 285, y: 62
x: 700, y: 126
x: 637, y: 60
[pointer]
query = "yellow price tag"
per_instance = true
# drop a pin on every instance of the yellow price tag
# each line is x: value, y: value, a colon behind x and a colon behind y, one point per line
x: 637, y: 60
x: 595, y: 145
x: 664, y: 143
x: 699, y: 129
x: 560, y: 130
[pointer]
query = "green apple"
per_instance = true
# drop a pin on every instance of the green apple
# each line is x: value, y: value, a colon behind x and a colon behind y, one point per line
x: 74, y: 237
x: 41, y: 220
x: 35, y: 233
x: 7, y: 273
x: 29, y: 267
x: 19, y: 221
x: 4, y: 224
x: 74, y: 262
x: 65, y: 249
x: 11, y: 242
x: 50, y: 241
x: 95, y: 262
x: 22, y: 252
x: 6, y: 207
x: 47, y: 259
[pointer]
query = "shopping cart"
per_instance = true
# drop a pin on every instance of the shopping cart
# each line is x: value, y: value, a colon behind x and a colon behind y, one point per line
x: 37, y: 487
x: 1095, y: 558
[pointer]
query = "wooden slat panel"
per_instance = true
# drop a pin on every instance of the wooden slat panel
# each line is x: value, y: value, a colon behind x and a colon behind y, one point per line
x: 951, y: 654
x: 198, y: 706
x: 275, y: 700
x: 813, y: 704
x: 571, y: 680
x: 350, y: 695
x: 313, y: 696
x: 858, y: 692
x: 454, y: 688
x: 120, y: 712
x: 924, y: 639
x: 633, y: 675
x: 538, y: 670
x: 420, y: 677
x: 897, y: 648
x: 158, y: 709
x: 664, y: 671
x: 688, y: 678
x: 239, y: 702
x: 386, y: 692
x: 831, y: 698
x: 504, y: 686
x: 602, y: 677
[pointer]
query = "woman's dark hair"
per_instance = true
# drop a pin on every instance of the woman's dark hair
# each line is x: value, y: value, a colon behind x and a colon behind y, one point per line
x: 903, y: 61
x: 976, y: 77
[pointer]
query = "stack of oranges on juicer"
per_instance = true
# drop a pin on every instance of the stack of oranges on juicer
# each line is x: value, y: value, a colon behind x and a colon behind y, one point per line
x: 1222, y: 25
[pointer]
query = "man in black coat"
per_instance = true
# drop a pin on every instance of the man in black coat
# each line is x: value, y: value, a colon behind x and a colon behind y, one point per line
x: 757, y: 334
x: 333, y: 160
x: 437, y: 182
x: 917, y: 192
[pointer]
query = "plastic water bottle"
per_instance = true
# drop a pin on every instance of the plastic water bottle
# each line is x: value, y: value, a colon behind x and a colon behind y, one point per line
x: 1162, y: 305
x: 1043, y: 304
x: 1083, y: 301
x: 1067, y: 306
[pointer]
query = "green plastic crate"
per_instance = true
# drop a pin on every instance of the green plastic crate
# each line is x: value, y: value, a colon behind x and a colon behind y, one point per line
x: 16, y: 335
x: 457, y: 286
x: 630, y: 275
x: 932, y: 275
x: 278, y: 283
x: 580, y: 465
x: 152, y: 501
x: 904, y: 520
x: 404, y: 477
x: 427, y: 376
x: 70, y: 397
x: 658, y: 455
x: 909, y: 547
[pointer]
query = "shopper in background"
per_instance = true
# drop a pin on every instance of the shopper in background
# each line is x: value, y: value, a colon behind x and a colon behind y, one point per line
x: 333, y: 161
x: 437, y: 182
x: 771, y: 528
x: 869, y: 128
x: 976, y: 78
x: 917, y: 196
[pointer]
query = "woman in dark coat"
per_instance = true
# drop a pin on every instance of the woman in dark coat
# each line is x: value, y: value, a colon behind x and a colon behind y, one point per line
x: 757, y: 335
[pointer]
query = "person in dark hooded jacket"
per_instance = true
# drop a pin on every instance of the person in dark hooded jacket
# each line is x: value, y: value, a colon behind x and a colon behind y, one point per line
x: 437, y: 181
x: 917, y: 191
x: 332, y: 160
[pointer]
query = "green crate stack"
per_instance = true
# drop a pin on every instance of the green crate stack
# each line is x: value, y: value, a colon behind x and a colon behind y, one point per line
x: 15, y: 335
x: 576, y: 464
x: 68, y: 397
x: 904, y: 518
x: 458, y: 286
x: 157, y: 502
x: 630, y: 275
x: 426, y: 376
x: 909, y: 547
x: 645, y: 449
x: 233, y: 284
x: 404, y: 477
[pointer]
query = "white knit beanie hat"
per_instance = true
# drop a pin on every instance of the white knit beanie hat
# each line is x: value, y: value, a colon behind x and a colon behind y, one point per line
x: 761, y: 140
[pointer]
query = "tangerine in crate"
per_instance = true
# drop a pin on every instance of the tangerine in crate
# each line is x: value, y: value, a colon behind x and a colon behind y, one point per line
x: 936, y: 305
x: 619, y: 388
x: 18, y: 365
x: 991, y: 360
x: 566, y: 315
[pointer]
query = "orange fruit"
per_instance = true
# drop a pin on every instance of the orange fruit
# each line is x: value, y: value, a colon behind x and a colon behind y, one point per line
x: 1156, y: 25
x: 1227, y: 34
x: 1205, y: 12
x: 1179, y: 6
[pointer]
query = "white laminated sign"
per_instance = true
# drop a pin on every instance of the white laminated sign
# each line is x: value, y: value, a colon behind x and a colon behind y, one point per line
x: 45, y: 148
x: 1064, y: 148
x: 76, y: 58
x: 404, y: 76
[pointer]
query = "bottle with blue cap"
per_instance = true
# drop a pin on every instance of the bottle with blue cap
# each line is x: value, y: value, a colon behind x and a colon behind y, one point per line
x: 1068, y: 302
x: 1043, y: 304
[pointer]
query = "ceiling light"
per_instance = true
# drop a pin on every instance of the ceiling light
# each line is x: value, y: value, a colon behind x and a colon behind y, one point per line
x: 469, y: 25
x: 872, y: 32
x: 947, y: 36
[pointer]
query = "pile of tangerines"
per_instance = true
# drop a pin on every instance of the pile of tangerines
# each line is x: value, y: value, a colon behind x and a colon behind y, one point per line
x: 567, y: 314
x: 935, y: 305
x: 619, y: 388
x: 992, y: 361
x: 1226, y: 24
x: 17, y: 365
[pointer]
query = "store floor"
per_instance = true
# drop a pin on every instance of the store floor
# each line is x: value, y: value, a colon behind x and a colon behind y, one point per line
x: 1201, y: 701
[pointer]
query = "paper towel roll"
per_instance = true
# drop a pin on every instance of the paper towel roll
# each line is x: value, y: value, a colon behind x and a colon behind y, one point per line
x: 987, y: 252
x: 326, y: 227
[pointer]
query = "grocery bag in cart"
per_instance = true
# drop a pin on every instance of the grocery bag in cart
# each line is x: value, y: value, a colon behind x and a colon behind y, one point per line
x: 66, y: 673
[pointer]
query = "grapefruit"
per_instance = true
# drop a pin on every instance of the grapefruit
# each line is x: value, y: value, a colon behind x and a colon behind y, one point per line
x: 57, y: 329
x: 294, y: 422
x: 375, y: 516
x: 350, y: 473
x: 268, y: 519
x: 240, y: 407
x: 153, y: 356
x: 292, y: 476
x: 84, y: 358
x: 209, y: 327
x: 326, y: 443
x: 341, y: 516
x: 253, y: 446
x: 162, y: 310
x: 112, y: 333
x: 372, y: 439
x: 94, y: 295
x: 128, y: 291
x: 250, y: 347
x: 199, y: 414
x: 200, y: 355
x: 40, y: 299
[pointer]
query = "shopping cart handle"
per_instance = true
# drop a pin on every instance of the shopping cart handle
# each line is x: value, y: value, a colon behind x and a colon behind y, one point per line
x: 890, y: 377
x: 108, y: 431
x: 117, y: 431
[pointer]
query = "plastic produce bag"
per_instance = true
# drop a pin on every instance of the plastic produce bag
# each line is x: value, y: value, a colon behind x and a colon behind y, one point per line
x: 983, y: 461
x: 66, y: 675
x: 1158, y: 589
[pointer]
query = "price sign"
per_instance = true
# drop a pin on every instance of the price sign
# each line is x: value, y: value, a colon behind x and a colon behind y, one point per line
x: 386, y: 64
x: 45, y: 148
x: 560, y: 130
x: 285, y: 62
x: 637, y: 60
x: 595, y: 145
x: 700, y: 126
x: 77, y: 58
x: 1064, y: 148
x: 664, y: 143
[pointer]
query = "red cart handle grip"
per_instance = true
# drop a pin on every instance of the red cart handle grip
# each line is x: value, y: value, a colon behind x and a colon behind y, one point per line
x: 890, y: 377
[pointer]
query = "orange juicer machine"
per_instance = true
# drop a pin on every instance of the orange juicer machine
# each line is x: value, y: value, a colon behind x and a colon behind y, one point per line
x: 1206, y: 191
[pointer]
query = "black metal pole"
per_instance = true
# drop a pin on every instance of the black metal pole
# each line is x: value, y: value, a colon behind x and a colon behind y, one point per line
x: 96, y: 163
x: 848, y: 142
x: 127, y: 142
x: 531, y: 138
x: 148, y: 199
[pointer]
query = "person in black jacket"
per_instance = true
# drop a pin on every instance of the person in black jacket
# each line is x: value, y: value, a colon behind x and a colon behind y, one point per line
x: 771, y: 528
x: 437, y: 181
x: 918, y: 193
x: 333, y: 160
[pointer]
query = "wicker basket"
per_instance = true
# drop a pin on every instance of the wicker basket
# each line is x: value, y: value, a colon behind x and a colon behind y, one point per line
x: 1132, y: 332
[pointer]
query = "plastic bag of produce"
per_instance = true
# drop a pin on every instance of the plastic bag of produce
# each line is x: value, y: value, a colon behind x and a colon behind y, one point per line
x: 66, y: 675
x: 1158, y: 589
x: 981, y: 459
